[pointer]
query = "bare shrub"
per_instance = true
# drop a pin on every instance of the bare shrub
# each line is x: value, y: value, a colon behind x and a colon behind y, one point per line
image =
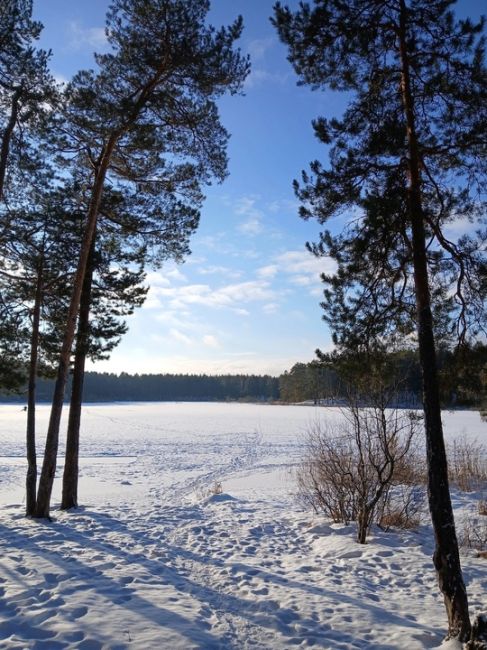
x: 356, y: 472
x: 404, y: 506
x: 216, y: 489
x: 483, y: 507
x: 467, y: 464
x: 473, y: 534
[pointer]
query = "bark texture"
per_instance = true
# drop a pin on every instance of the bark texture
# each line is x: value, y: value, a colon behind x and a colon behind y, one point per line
x: 52, y: 441
x: 446, y: 556
x: 31, y: 479
x: 7, y: 137
x: 71, y: 464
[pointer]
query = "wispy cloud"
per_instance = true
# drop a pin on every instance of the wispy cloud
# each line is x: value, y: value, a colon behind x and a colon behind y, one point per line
x: 81, y: 38
x: 268, y: 271
x: 246, y: 207
x: 259, y: 76
x: 259, y: 47
x: 270, y: 308
x: 211, y: 341
x: 299, y: 268
x: 283, y: 205
x: 231, y: 296
x: 224, y: 271
x: 179, y: 336
x: 303, y: 263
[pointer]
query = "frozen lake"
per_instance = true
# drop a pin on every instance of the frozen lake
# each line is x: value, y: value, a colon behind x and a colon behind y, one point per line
x: 153, y: 559
x: 189, y: 444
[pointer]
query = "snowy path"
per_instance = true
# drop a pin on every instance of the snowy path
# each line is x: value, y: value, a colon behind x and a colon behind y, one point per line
x: 151, y: 561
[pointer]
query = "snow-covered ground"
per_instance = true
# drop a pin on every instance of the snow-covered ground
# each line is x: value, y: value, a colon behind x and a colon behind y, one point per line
x: 154, y: 560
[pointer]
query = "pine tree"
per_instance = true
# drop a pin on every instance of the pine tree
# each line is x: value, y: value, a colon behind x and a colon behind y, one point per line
x: 407, y: 159
x: 26, y: 86
x: 147, y: 118
x: 44, y: 235
x: 112, y: 289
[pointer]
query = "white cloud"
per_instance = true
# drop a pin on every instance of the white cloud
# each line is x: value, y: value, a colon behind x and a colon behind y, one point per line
x: 459, y: 227
x: 244, y: 362
x: 152, y: 301
x: 231, y: 296
x: 211, y: 341
x: 270, y: 308
x: 252, y: 226
x: 81, y: 38
x: 246, y: 207
x: 305, y: 263
x: 260, y: 76
x: 259, y: 47
x: 316, y: 292
x: 241, y: 312
x: 284, y: 205
x: 220, y: 270
x: 302, y: 280
x: 268, y: 271
x: 180, y: 337
x: 157, y: 279
x: 180, y: 319
x: 175, y: 274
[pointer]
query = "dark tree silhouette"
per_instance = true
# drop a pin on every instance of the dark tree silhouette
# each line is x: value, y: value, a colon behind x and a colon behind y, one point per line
x: 407, y: 159
x: 148, y: 118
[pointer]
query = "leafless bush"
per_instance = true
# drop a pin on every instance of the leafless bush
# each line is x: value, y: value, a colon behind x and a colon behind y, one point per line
x: 467, y: 464
x: 483, y: 507
x: 215, y: 489
x: 473, y: 534
x: 358, y: 471
x: 404, y: 507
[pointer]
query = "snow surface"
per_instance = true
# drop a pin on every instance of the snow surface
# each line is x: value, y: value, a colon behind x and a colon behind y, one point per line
x: 157, y: 558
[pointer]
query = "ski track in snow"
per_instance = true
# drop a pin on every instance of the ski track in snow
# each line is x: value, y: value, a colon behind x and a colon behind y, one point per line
x: 155, y: 560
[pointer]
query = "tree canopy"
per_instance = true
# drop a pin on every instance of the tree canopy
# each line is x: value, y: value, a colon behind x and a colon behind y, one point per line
x: 406, y: 163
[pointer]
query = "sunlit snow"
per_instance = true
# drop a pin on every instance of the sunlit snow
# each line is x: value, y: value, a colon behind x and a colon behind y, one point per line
x: 156, y: 557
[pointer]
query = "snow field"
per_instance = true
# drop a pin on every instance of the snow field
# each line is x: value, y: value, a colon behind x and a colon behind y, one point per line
x: 153, y: 559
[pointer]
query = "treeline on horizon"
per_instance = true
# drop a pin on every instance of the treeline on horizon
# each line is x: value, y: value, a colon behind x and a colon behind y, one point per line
x: 462, y: 377
x: 110, y: 387
x: 462, y: 380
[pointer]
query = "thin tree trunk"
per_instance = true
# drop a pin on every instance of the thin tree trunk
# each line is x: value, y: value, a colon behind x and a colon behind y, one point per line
x: 31, y: 479
x: 7, y: 136
x: 52, y: 441
x: 446, y: 556
x: 71, y: 464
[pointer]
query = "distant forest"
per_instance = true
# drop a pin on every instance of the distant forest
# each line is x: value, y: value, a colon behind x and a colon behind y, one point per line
x: 108, y: 387
x: 463, y: 382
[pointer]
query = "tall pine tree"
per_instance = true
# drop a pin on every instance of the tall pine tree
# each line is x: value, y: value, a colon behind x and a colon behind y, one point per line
x: 26, y: 86
x: 407, y: 159
x: 148, y: 118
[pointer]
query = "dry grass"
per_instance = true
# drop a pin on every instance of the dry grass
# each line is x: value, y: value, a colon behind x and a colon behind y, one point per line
x: 473, y: 535
x: 398, y: 518
x: 467, y: 464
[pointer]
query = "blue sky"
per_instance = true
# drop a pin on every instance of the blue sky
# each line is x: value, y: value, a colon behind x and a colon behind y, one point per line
x: 247, y: 299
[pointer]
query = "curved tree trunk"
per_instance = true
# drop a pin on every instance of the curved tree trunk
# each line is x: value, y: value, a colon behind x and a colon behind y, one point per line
x: 7, y: 136
x: 31, y: 479
x: 52, y: 441
x: 446, y: 557
x: 71, y: 464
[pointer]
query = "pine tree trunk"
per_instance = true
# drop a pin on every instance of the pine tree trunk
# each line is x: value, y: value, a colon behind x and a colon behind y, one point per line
x: 31, y: 479
x: 71, y: 464
x: 6, y: 138
x: 52, y: 441
x: 446, y: 556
